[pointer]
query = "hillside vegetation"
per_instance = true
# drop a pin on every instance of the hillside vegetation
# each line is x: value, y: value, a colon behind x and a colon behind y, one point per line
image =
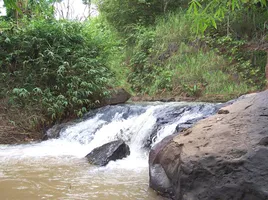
x: 53, y: 70
x: 190, y: 51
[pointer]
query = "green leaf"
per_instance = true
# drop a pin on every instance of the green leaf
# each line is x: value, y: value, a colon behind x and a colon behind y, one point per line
x: 213, y: 23
x: 7, y: 40
x: 13, y: 5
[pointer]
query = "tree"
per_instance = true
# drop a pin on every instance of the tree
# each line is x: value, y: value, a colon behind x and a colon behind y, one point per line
x: 31, y: 8
x: 88, y: 4
x: 124, y: 14
x: 11, y: 4
x: 209, y: 13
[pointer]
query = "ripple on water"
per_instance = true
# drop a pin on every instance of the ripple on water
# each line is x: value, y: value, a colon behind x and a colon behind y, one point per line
x: 57, y: 169
x: 69, y: 177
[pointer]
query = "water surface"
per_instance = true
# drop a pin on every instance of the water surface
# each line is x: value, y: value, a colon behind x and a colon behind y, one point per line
x: 57, y: 168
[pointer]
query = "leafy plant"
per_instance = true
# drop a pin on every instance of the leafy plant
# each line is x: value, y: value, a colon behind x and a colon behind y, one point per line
x: 57, y: 67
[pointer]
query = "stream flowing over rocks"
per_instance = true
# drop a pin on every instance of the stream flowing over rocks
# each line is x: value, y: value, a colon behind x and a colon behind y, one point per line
x: 58, y: 169
x: 224, y: 156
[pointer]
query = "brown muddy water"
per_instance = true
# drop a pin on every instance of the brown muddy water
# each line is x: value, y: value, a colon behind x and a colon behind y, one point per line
x: 57, y: 168
x: 70, y: 178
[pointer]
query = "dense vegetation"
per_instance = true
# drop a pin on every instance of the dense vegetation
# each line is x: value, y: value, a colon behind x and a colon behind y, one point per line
x: 188, y: 49
x: 52, y: 70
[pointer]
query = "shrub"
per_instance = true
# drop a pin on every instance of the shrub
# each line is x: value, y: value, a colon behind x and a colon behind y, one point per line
x: 56, y: 67
x: 169, y: 58
x: 125, y: 15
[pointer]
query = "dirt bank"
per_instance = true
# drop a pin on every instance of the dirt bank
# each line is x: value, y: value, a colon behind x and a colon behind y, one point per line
x: 12, y: 133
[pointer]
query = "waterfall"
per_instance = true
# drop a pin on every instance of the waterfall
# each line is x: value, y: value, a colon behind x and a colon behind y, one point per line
x: 57, y: 168
x: 140, y: 125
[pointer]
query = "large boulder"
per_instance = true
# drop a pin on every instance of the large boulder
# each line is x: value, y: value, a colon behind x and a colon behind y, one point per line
x: 222, y: 157
x: 111, y: 151
x: 159, y: 179
x: 117, y: 96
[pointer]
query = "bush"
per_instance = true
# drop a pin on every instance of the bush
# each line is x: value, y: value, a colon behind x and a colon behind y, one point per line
x: 168, y: 58
x: 57, y: 68
x: 125, y: 15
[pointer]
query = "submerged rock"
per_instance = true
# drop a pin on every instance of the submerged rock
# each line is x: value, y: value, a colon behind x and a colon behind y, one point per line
x: 185, y: 116
x: 222, y: 157
x: 111, y: 151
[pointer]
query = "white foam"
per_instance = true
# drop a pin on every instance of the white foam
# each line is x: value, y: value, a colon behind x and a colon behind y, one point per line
x: 78, y: 140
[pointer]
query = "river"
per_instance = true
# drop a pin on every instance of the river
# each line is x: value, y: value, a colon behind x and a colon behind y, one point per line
x: 58, y: 169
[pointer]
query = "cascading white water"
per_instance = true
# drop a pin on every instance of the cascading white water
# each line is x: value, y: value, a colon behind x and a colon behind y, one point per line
x: 135, y: 124
x: 140, y: 126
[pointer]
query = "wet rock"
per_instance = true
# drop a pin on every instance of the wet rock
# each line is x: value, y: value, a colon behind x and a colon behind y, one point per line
x: 171, y: 99
x: 159, y: 179
x: 111, y: 151
x: 173, y: 115
x: 126, y: 110
x: 54, y: 131
x: 110, y: 111
x: 219, y: 159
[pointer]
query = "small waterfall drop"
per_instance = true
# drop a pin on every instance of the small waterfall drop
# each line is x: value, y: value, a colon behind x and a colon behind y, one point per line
x: 57, y: 169
x: 140, y: 125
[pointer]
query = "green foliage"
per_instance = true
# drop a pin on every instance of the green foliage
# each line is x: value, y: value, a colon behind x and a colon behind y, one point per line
x: 59, y: 68
x: 167, y: 58
x: 18, y: 9
x: 11, y: 4
x: 113, y: 46
x: 154, y: 46
x: 249, y: 65
x: 125, y: 14
x: 40, y: 9
x: 207, y: 13
x: 238, y: 28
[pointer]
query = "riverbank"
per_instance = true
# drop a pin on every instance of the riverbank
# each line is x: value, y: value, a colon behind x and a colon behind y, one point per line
x: 11, y: 127
x: 170, y: 97
x: 16, y: 126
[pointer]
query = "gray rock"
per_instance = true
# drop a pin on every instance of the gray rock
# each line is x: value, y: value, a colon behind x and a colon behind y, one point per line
x: 111, y: 151
x: 118, y: 96
x: 221, y: 157
x: 54, y: 131
x: 159, y: 179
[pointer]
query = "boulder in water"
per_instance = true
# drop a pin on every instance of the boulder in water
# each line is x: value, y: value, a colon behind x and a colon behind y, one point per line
x: 159, y: 179
x: 221, y: 157
x: 111, y: 151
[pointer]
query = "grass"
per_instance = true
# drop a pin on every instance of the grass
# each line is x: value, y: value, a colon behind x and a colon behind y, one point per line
x: 190, y: 69
x: 209, y: 71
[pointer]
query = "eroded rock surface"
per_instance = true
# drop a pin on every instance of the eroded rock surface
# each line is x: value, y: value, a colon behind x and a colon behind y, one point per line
x: 222, y: 157
x: 111, y: 151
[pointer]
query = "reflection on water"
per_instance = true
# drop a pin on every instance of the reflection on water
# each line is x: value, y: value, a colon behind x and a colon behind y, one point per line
x: 70, y: 178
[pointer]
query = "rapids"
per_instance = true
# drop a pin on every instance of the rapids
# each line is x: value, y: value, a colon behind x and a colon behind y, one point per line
x: 57, y: 169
